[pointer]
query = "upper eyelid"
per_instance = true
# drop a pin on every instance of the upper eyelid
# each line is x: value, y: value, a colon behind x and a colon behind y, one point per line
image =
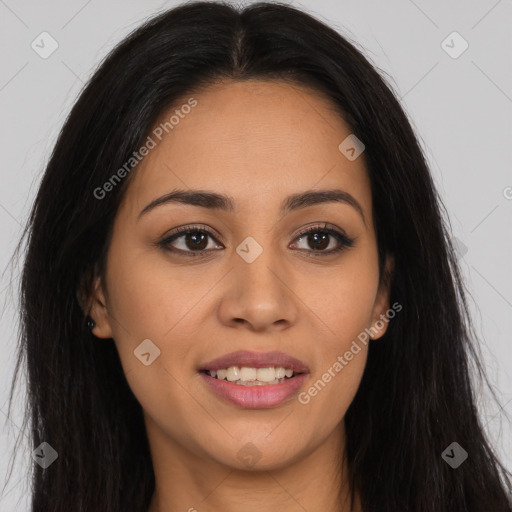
x: 183, y: 230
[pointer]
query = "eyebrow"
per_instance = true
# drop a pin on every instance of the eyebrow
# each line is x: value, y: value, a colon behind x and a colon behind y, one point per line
x: 215, y: 201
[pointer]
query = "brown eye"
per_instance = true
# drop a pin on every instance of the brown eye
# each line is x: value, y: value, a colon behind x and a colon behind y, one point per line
x: 318, y: 241
x: 196, y: 240
x: 323, y: 240
x: 189, y: 241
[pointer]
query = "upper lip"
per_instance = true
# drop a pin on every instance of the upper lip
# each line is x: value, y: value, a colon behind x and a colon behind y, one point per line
x: 256, y: 360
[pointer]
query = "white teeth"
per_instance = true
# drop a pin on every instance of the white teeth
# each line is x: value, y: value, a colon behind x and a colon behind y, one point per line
x: 252, y: 376
x: 247, y: 374
x: 233, y: 374
x: 266, y: 374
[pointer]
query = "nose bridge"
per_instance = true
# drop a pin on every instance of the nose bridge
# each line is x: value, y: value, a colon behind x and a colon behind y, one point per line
x: 258, y: 292
x: 259, y: 264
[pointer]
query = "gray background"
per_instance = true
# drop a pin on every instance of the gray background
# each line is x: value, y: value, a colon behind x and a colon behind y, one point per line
x: 461, y: 108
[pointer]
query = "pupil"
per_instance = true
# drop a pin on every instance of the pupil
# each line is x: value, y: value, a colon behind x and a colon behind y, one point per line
x: 325, y: 236
x: 197, y: 238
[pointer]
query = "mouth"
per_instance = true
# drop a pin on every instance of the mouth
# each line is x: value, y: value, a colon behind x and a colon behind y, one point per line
x: 254, y: 368
x: 255, y: 380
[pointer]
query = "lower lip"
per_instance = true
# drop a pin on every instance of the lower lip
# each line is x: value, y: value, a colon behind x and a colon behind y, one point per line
x: 255, y: 397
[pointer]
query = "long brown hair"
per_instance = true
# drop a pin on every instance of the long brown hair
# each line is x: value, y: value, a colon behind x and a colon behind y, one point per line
x: 416, y: 395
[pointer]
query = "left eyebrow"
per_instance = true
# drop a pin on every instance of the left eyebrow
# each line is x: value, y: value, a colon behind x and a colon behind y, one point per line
x: 215, y: 201
x: 305, y: 199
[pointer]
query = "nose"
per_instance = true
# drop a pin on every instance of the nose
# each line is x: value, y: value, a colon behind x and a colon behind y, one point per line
x: 259, y: 295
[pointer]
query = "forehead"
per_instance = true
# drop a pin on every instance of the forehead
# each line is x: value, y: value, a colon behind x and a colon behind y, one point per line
x: 254, y: 140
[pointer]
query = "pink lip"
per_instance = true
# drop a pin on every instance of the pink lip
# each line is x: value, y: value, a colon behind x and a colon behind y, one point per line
x: 256, y: 360
x: 255, y: 397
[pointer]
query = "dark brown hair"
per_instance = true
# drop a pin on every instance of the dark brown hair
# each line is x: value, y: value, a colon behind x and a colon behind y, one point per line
x: 416, y: 395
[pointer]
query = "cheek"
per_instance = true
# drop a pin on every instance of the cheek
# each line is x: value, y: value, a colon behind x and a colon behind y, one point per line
x: 152, y: 298
x: 147, y: 301
x: 342, y: 305
x: 341, y: 301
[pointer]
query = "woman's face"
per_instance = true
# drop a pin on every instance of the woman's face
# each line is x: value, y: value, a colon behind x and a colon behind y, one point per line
x: 253, y: 284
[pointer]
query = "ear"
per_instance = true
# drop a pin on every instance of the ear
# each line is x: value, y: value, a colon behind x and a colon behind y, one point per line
x: 379, y: 322
x: 99, y: 312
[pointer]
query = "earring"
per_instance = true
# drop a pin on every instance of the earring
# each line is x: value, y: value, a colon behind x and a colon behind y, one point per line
x: 90, y: 323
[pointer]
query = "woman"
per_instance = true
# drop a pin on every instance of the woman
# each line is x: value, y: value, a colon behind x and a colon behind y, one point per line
x: 239, y: 292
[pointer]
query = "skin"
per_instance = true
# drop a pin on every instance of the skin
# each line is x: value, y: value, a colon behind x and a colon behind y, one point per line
x: 258, y: 142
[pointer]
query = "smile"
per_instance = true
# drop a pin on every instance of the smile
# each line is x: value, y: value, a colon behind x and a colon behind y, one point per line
x: 255, y: 380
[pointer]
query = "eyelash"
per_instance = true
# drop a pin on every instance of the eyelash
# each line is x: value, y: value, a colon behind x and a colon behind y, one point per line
x: 343, y: 240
